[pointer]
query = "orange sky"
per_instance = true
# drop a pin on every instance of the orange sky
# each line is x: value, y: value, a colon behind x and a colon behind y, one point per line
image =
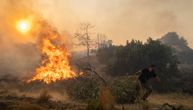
x: 120, y: 20
x: 123, y: 19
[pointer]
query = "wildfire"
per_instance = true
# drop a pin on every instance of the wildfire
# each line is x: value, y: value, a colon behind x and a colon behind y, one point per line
x: 55, y: 64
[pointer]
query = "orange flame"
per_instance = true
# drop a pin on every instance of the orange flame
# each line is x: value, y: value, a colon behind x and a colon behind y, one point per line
x: 55, y: 65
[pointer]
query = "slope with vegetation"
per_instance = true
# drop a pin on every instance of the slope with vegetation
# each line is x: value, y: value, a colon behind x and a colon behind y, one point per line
x: 182, y: 50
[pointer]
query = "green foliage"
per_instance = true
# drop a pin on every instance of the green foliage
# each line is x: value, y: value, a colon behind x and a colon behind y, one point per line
x: 84, y: 89
x: 125, y: 90
x: 135, y: 55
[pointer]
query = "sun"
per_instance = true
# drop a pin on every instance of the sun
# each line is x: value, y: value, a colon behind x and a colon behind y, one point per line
x: 23, y: 26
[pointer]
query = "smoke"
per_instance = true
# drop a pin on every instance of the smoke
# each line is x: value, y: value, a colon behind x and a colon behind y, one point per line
x: 19, y: 54
x: 123, y: 19
x: 119, y: 19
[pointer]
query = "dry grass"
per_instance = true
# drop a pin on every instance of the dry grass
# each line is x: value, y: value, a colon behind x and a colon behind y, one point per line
x: 15, y: 104
x: 174, y: 99
x: 25, y: 106
x: 44, y: 97
x: 106, y: 99
x: 156, y: 102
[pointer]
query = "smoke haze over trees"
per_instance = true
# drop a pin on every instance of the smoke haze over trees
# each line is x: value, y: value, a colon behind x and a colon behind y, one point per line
x: 122, y: 19
x: 180, y: 45
x: 136, y: 55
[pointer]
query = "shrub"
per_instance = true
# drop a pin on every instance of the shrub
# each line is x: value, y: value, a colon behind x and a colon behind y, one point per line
x: 125, y: 90
x: 84, y: 89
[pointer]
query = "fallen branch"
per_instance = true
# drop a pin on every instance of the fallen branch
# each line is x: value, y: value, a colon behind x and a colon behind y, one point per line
x: 171, y: 106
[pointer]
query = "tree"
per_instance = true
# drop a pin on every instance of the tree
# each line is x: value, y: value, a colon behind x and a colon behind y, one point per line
x: 102, y: 41
x: 135, y: 55
x: 172, y: 38
x: 84, y: 36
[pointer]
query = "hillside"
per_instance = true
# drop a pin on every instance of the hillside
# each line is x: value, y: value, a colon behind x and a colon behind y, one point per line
x: 182, y: 50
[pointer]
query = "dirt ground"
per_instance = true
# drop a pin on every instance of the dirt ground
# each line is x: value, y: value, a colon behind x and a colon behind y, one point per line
x: 155, y: 102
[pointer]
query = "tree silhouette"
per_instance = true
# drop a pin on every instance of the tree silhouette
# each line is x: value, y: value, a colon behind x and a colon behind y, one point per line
x: 84, y: 36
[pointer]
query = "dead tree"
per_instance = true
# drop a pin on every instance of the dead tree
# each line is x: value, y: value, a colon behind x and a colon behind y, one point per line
x: 84, y: 37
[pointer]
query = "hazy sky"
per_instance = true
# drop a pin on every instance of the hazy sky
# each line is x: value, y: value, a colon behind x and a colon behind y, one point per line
x: 120, y: 20
x: 123, y: 19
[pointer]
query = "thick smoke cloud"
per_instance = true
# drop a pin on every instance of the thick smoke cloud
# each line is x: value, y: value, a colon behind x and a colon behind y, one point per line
x: 17, y: 57
x: 20, y: 53
x: 119, y: 19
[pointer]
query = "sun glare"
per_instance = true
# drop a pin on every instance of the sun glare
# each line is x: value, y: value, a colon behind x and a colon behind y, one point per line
x: 23, y: 26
